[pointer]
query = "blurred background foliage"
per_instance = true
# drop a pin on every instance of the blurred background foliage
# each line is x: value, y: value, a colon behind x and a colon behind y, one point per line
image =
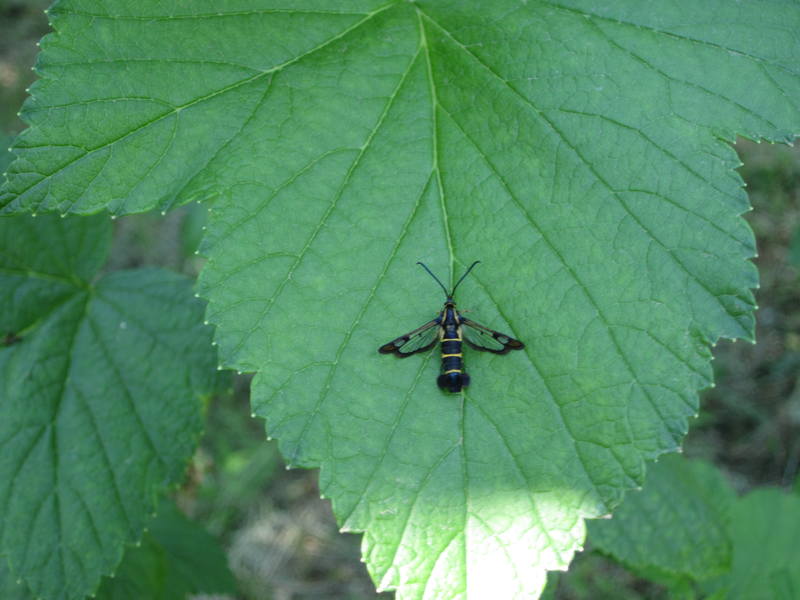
x: 281, y: 539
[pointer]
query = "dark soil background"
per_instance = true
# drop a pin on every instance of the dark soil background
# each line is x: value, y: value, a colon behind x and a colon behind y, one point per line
x: 282, y: 541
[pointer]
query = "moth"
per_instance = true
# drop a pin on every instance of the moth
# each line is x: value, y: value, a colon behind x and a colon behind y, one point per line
x: 450, y: 328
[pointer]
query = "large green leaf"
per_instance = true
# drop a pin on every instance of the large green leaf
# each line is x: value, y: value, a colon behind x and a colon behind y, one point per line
x: 99, y: 399
x: 675, y: 525
x: 577, y: 149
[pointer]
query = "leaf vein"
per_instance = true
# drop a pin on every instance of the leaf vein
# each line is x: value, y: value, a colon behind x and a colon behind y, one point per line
x: 235, y: 135
x: 544, y: 237
x: 214, y: 94
x: 591, y: 169
x: 651, y: 29
x: 261, y: 207
x: 106, y: 459
x: 332, y: 206
x: 524, y: 480
x: 527, y: 352
x: 348, y: 335
x: 638, y: 57
x: 435, y: 144
x: 126, y: 392
x: 671, y: 156
x: 165, y: 150
x: 412, y: 506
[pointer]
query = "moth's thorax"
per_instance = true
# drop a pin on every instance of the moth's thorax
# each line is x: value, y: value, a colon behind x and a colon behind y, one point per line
x: 450, y: 314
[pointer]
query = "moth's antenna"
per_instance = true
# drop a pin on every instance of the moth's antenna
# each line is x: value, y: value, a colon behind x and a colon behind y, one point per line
x: 462, y: 277
x: 434, y: 276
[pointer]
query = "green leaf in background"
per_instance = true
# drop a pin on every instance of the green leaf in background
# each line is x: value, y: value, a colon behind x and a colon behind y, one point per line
x: 577, y: 149
x: 177, y: 557
x: 100, y: 397
x: 764, y: 527
x: 688, y: 529
x: 676, y: 525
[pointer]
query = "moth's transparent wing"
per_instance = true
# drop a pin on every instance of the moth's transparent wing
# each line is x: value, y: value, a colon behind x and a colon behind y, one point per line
x: 421, y: 339
x: 487, y: 340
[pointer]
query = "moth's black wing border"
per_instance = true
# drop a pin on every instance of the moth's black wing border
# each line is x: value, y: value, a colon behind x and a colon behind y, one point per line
x: 396, y: 345
x: 506, y: 342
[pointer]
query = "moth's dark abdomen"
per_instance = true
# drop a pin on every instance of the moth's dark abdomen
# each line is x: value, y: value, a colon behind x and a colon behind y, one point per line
x: 451, y: 362
x: 453, y: 378
x: 451, y: 346
x: 453, y: 382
